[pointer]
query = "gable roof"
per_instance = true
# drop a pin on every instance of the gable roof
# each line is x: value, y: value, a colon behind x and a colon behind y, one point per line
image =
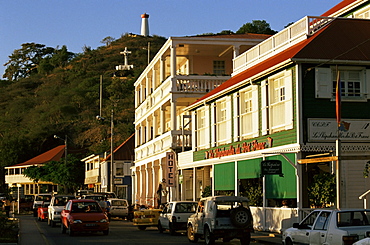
x: 340, y: 6
x: 54, y: 154
x: 343, y: 39
x: 125, y: 151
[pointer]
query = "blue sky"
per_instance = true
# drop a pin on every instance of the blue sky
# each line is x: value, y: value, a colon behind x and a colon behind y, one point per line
x: 76, y: 23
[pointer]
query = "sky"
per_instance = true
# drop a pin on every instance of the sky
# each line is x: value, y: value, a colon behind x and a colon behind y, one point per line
x: 79, y: 23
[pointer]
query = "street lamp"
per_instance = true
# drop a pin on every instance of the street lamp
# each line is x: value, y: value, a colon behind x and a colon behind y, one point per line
x: 65, y: 148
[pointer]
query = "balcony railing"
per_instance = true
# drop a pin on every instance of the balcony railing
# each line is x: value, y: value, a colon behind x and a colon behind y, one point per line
x: 284, y: 39
x: 202, y: 84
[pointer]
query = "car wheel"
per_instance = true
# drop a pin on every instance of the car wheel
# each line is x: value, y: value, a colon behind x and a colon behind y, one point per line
x: 106, y: 232
x: 240, y: 217
x: 288, y: 241
x: 160, y: 228
x: 245, y: 239
x: 192, y: 237
x: 70, y: 231
x: 141, y: 227
x: 62, y: 228
x: 208, y: 236
x: 172, y: 229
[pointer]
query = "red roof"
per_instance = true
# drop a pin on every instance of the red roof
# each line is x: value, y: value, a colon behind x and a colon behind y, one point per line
x: 338, y: 7
x: 342, y: 39
x: 125, y: 151
x: 54, y: 154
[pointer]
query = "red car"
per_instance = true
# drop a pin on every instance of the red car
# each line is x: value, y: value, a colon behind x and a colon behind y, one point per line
x: 83, y: 215
x: 42, y: 212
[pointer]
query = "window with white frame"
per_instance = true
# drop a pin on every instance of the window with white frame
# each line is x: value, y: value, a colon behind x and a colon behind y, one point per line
x: 223, y: 122
x: 249, y: 112
x: 355, y: 83
x: 201, y: 129
x: 277, y: 103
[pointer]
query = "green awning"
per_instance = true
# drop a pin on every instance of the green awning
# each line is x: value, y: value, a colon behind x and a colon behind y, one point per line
x: 224, y: 175
x: 249, y: 169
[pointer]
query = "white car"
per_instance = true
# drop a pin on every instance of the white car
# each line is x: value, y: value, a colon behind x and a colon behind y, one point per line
x: 118, y: 207
x: 56, y: 206
x: 330, y: 227
x: 40, y: 199
x: 365, y: 241
x: 175, y: 216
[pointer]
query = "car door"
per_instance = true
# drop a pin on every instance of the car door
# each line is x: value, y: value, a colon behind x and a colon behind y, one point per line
x: 163, y: 217
x: 319, y: 232
x: 301, y: 235
x: 199, y: 219
x: 167, y: 216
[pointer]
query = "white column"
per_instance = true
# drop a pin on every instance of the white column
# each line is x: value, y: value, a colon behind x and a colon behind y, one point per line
x: 236, y: 51
x: 173, y: 115
x: 173, y: 60
x: 194, y: 184
x: 162, y: 119
x: 162, y: 69
x: 155, y: 125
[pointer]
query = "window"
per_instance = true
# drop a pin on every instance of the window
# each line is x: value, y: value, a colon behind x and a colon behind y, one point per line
x: 249, y: 112
x: 355, y: 83
x: 219, y: 67
x: 223, y: 131
x: 277, y: 103
x: 202, y: 129
x: 322, y: 221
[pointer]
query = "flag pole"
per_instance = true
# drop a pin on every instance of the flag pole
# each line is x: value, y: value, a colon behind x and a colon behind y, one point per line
x: 338, y: 143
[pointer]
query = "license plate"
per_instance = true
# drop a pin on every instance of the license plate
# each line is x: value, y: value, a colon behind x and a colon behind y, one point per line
x: 91, y: 224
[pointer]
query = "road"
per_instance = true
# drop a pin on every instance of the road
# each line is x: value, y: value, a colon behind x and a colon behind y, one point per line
x: 121, y: 232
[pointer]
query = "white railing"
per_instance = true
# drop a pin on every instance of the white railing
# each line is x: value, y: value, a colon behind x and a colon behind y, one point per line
x: 196, y: 83
x: 284, y: 39
x: 92, y: 173
x: 277, y: 219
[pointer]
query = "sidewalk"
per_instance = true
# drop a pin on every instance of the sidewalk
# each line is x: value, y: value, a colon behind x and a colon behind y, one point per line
x: 29, y: 233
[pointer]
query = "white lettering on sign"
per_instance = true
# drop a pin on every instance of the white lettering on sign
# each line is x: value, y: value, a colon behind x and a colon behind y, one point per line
x: 326, y: 130
x: 171, y: 169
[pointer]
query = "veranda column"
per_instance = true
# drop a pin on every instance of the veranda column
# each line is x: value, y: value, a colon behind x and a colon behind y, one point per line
x: 155, y: 125
x: 173, y: 114
x: 143, y: 185
x: 162, y: 69
x: 162, y: 119
x: 173, y: 68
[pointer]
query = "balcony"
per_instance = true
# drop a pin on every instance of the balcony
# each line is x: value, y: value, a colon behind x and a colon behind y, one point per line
x: 175, y: 139
x: 284, y: 39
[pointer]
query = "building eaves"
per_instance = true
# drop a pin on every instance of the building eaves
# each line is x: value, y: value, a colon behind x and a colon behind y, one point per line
x: 124, y: 151
x: 343, y: 7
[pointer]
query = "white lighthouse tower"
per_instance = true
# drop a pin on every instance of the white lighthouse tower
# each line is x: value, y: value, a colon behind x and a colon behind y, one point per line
x: 144, y: 25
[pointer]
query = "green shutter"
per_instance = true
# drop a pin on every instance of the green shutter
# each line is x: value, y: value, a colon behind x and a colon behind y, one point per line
x: 282, y: 187
x: 249, y: 169
x: 224, y: 175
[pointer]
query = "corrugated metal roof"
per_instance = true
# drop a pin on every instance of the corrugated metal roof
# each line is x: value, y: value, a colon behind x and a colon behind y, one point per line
x: 343, y: 39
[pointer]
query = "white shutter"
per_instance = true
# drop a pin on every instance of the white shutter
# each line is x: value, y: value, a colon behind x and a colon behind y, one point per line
x: 367, y: 84
x: 236, y: 116
x: 288, y: 82
x: 255, y: 107
x: 228, y: 120
x: 264, y: 107
x: 211, y: 122
x: 323, y: 83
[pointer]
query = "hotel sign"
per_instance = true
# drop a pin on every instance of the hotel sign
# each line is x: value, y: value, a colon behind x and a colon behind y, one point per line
x: 171, y: 169
x: 326, y: 130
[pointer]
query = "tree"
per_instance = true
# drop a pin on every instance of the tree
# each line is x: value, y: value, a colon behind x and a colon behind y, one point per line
x: 257, y: 27
x: 70, y: 175
x: 322, y: 191
x: 24, y: 62
x: 107, y: 40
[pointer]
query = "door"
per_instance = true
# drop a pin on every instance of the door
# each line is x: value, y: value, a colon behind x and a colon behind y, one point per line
x: 319, y: 232
x: 301, y: 235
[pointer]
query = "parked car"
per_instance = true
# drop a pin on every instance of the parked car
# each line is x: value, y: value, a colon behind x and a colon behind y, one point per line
x: 225, y: 217
x: 106, y: 194
x: 83, y: 215
x: 329, y: 226
x: 42, y: 212
x: 118, y: 207
x: 175, y: 216
x: 56, y: 206
x: 146, y: 217
x: 39, y: 200
x: 96, y: 197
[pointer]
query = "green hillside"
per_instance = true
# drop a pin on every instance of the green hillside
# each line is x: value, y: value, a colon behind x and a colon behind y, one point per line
x: 59, y: 95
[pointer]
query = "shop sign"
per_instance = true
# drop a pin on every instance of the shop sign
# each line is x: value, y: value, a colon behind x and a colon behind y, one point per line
x: 271, y: 167
x: 326, y: 130
x: 171, y: 169
x: 239, y: 148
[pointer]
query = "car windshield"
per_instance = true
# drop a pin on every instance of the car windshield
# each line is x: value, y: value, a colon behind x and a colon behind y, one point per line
x: 185, y: 208
x: 119, y: 203
x: 86, y: 207
x: 61, y: 201
x: 43, y: 198
x: 353, y: 218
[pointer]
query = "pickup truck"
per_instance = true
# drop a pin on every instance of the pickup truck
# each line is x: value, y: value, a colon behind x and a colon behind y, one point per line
x: 225, y: 217
x: 329, y: 227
